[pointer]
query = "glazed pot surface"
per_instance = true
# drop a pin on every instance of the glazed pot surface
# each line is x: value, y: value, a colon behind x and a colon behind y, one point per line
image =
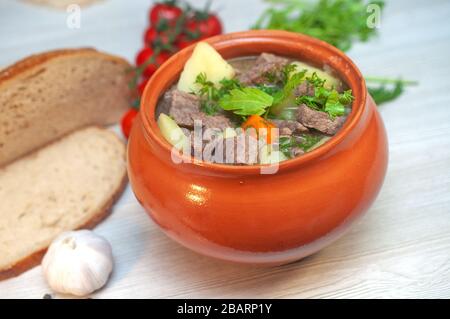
x: 235, y: 212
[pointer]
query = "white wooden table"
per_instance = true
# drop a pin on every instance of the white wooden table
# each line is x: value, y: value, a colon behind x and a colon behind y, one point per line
x: 401, y: 248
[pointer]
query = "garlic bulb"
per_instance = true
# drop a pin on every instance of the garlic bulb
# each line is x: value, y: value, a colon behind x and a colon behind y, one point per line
x: 78, y: 263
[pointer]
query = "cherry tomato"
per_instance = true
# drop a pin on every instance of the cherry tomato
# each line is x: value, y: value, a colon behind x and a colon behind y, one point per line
x: 183, y: 41
x: 205, y: 26
x: 127, y: 121
x: 141, y: 86
x: 169, y: 12
x: 153, y: 37
x: 145, y: 54
x: 150, y: 36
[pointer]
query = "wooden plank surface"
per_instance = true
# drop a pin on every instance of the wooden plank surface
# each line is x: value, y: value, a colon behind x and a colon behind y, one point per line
x: 401, y: 248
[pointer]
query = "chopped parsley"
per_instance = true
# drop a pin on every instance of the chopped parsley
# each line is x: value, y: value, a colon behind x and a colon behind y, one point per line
x: 326, y: 100
x: 210, y: 94
x: 285, y: 95
x: 307, y: 141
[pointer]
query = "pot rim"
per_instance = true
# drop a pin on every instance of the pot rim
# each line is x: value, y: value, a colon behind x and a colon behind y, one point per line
x: 347, y: 70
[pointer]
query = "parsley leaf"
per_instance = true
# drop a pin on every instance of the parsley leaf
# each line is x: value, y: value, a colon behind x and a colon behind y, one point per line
x: 333, y: 106
x: 246, y: 101
x: 285, y: 96
x: 226, y: 85
x: 210, y: 94
x: 291, y: 84
x: 207, y: 88
x: 315, y: 80
x: 209, y: 107
x: 309, y: 141
x: 287, y: 71
x: 329, y: 101
x: 326, y: 100
x: 285, y: 143
x: 269, y: 89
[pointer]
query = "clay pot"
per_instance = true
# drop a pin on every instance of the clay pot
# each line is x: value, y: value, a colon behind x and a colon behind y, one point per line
x: 238, y: 214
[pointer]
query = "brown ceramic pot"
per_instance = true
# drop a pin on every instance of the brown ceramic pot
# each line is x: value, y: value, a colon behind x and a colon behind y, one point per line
x: 234, y: 212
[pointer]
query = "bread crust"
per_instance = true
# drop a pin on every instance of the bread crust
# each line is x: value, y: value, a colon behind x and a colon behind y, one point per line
x: 35, y: 258
x: 36, y: 60
x: 30, y: 65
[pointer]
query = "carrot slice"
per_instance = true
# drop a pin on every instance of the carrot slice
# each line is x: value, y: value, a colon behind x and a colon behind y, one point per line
x: 257, y: 122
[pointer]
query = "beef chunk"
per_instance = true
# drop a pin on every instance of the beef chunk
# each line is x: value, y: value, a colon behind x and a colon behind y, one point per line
x: 199, y: 138
x: 219, y: 121
x: 304, y: 89
x: 266, y: 64
x: 212, y: 147
x: 296, y: 151
x: 241, y: 149
x: 184, y: 108
x: 285, y: 131
x: 293, y: 126
x: 319, y: 120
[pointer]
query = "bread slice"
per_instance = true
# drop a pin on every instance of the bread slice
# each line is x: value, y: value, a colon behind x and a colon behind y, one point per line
x: 46, y: 96
x: 69, y: 184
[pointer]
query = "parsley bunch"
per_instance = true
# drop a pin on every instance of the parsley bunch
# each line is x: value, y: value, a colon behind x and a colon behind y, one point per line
x: 338, y: 22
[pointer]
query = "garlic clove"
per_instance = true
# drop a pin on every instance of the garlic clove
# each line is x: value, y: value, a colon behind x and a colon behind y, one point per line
x: 78, y: 263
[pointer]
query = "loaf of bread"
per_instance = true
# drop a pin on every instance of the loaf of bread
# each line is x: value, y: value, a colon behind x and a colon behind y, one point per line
x: 46, y: 96
x: 69, y: 184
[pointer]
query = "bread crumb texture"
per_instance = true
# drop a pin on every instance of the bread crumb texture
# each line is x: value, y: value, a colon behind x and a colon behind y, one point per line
x: 58, y: 188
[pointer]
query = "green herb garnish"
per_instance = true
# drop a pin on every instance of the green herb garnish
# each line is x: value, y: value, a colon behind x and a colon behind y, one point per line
x: 285, y: 96
x: 315, y: 80
x: 207, y: 88
x: 286, y: 143
x: 246, y: 101
x: 210, y: 94
x: 308, y: 141
x: 287, y: 71
x: 209, y: 107
x: 269, y: 89
x: 326, y: 100
x: 339, y: 22
x: 292, y: 82
x: 226, y: 85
